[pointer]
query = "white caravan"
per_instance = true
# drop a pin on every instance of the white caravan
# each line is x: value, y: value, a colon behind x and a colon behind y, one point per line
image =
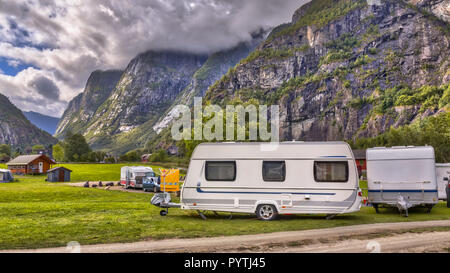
x: 401, y: 176
x: 443, y: 176
x: 271, y: 179
x: 132, y: 177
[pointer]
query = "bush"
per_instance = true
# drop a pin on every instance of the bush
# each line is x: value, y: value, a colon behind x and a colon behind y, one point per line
x: 132, y: 156
x: 159, y: 156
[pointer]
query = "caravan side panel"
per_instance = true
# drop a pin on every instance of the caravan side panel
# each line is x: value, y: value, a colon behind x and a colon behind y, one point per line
x: 298, y: 193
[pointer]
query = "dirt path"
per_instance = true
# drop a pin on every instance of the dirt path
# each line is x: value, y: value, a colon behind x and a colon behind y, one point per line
x: 408, y: 243
x: 339, y: 239
x: 112, y: 188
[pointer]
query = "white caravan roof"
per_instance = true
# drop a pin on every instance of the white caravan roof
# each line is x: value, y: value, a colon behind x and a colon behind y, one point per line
x: 4, y: 171
x: 400, y: 152
x: 141, y: 169
x: 283, y: 150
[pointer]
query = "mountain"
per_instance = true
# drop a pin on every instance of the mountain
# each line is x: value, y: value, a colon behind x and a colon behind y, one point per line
x: 148, y: 86
x: 211, y: 71
x: 82, y: 108
x: 347, y: 69
x: 43, y: 122
x: 340, y: 69
x: 142, y: 102
x: 17, y: 130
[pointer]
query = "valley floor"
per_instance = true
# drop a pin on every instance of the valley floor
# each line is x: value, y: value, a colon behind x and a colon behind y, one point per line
x: 38, y: 214
x: 427, y: 236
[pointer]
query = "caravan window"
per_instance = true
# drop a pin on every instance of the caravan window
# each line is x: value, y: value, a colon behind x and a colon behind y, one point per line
x: 330, y: 171
x: 274, y: 171
x: 220, y: 170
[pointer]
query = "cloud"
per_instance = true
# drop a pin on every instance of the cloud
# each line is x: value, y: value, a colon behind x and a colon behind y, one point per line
x: 65, y: 40
x: 13, y: 63
x: 23, y: 88
x: 45, y: 87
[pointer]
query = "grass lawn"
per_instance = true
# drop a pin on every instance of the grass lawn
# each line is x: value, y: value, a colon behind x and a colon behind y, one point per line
x: 101, y: 172
x: 34, y: 214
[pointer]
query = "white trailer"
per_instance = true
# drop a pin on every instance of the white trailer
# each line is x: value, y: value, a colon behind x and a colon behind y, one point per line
x: 443, y: 176
x: 271, y: 179
x: 401, y: 176
x: 132, y: 177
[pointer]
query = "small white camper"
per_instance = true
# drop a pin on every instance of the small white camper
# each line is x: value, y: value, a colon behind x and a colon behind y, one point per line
x: 271, y: 179
x: 401, y: 176
x: 133, y: 177
x: 6, y: 176
x: 443, y: 177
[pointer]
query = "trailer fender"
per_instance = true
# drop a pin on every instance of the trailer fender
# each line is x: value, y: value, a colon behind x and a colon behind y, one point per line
x: 266, y: 202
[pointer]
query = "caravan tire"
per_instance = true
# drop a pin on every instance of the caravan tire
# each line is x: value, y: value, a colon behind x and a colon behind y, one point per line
x: 266, y: 212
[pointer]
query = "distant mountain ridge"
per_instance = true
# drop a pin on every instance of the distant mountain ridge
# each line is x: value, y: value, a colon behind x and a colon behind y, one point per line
x: 46, y: 123
x: 17, y: 131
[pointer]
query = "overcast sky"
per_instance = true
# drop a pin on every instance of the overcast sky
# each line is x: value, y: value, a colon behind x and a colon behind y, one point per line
x: 48, y: 48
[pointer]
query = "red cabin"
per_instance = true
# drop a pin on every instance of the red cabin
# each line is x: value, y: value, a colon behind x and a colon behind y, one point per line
x: 30, y: 164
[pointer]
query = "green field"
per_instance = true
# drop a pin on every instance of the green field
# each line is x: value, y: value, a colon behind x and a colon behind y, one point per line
x: 100, y: 172
x: 34, y: 213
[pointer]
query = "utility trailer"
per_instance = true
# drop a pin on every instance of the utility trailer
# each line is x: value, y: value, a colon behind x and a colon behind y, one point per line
x: 402, y: 176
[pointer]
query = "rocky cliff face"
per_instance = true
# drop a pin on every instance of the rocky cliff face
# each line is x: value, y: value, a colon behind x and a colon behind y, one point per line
x: 211, y: 71
x: 148, y: 86
x: 16, y: 130
x: 343, y: 69
x: 440, y: 8
x: 82, y: 108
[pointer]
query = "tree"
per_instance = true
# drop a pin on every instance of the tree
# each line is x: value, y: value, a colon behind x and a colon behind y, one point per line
x: 132, y: 156
x: 434, y: 131
x: 4, y: 157
x: 58, y: 152
x: 37, y: 148
x: 5, y: 149
x: 159, y: 156
x: 75, y: 146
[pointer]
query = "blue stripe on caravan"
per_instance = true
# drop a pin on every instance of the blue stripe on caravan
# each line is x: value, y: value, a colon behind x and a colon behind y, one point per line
x: 403, y: 191
x: 199, y: 190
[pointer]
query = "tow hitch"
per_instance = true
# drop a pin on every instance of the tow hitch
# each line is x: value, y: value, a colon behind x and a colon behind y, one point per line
x: 162, y: 200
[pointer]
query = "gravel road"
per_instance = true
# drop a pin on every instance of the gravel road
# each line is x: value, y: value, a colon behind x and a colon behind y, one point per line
x: 391, y: 237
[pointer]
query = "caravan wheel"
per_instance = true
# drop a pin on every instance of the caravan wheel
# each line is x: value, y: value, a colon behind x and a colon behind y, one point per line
x: 266, y: 212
